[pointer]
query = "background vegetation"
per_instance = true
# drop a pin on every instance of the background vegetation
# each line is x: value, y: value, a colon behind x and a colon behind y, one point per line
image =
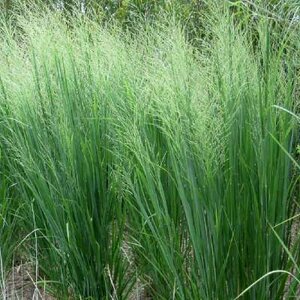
x: 149, y: 148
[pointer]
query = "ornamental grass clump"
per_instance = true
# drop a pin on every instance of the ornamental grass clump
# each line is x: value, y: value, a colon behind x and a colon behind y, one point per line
x: 135, y: 162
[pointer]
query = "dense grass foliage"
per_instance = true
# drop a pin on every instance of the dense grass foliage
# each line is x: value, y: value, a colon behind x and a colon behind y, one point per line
x: 133, y: 159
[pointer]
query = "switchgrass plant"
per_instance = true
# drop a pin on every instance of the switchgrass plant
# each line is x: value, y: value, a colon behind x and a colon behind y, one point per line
x: 207, y: 178
x: 226, y: 177
x: 61, y: 149
x: 136, y: 157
